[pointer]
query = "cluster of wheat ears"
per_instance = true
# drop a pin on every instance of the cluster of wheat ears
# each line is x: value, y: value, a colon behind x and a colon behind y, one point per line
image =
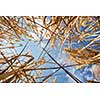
x: 19, y: 66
